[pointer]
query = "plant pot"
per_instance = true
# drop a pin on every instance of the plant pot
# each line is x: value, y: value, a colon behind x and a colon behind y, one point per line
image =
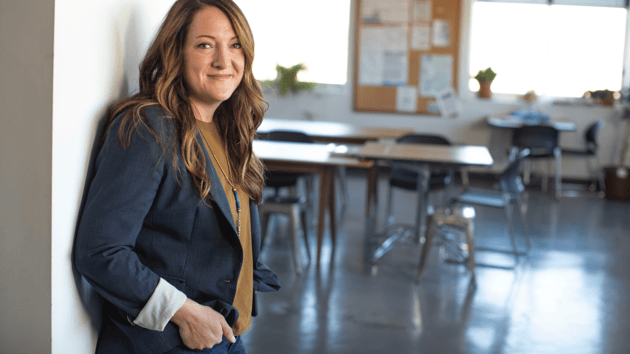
x: 609, y: 99
x: 484, y: 89
x: 617, y: 183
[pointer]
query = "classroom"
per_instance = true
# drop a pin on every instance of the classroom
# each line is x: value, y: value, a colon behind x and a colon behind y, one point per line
x: 500, y: 251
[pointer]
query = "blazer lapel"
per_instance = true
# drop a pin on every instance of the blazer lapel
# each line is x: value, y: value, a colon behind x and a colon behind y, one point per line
x: 216, y: 188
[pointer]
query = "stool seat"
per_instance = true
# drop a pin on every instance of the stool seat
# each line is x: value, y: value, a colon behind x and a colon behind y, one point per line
x: 459, y: 218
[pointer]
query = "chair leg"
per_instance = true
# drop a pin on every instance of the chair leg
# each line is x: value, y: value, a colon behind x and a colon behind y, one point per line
x: 470, y: 242
x: 390, y: 215
x: 544, y: 185
x: 305, y: 232
x: 426, y: 247
x: 557, y: 153
x: 295, y: 241
x: 343, y: 188
x: 510, y: 222
x: 264, y: 222
x: 522, y: 207
x: 527, y: 169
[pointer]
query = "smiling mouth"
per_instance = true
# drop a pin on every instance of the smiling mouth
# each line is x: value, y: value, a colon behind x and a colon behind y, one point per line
x: 220, y: 77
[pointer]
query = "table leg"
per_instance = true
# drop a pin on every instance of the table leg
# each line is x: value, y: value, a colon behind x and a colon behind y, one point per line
x: 323, y: 202
x: 331, y: 206
x: 370, y: 218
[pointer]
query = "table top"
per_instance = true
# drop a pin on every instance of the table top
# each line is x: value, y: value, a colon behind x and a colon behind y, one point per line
x: 512, y: 123
x: 332, y: 131
x: 452, y: 155
x: 304, y: 153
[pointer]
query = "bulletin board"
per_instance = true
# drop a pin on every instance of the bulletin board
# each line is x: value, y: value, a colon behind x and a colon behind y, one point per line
x: 406, y: 52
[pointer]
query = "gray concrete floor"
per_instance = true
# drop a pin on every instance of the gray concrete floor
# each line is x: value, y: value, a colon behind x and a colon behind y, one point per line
x: 570, y: 295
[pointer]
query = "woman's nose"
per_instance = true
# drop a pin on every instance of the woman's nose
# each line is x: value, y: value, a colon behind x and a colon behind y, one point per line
x: 221, y: 58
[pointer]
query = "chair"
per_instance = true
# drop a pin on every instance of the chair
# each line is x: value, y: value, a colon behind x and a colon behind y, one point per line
x: 542, y: 142
x: 295, y: 207
x: 590, y: 155
x: 403, y: 177
x: 507, y: 196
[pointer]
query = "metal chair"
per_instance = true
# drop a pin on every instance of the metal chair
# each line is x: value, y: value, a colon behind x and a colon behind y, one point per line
x: 403, y: 177
x: 507, y: 196
x: 542, y: 142
x: 589, y: 153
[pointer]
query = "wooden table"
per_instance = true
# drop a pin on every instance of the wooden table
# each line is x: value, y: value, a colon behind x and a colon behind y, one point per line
x: 512, y: 123
x: 333, y: 132
x: 423, y: 157
x: 316, y: 159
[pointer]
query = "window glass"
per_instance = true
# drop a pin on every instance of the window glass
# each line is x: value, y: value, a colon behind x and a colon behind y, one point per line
x: 289, y: 32
x: 556, y: 50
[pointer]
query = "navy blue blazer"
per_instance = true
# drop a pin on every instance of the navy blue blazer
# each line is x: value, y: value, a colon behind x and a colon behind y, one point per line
x: 143, y: 220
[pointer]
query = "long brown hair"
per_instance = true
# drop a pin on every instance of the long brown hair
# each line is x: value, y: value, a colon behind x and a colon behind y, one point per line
x: 162, y: 83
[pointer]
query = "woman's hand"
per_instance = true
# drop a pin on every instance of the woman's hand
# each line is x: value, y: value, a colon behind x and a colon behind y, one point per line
x: 201, y: 326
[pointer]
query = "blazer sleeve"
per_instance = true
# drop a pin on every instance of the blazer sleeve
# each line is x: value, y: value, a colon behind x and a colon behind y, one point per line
x: 120, y: 195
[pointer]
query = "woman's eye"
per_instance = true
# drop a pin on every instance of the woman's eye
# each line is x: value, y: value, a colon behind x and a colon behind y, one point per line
x: 237, y: 46
x: 204, y: 46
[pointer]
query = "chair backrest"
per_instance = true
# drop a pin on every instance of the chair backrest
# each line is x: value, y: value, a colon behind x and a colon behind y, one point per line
x: 590, y: 135
x: 535, y: 137
x: 510, y: 180
x: 423, y: 139
x: 287, y: 135
x: 276, y: 179
x: 402, y: 171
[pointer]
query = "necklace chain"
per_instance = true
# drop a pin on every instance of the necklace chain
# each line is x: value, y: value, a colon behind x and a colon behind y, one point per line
x: 234, y: 191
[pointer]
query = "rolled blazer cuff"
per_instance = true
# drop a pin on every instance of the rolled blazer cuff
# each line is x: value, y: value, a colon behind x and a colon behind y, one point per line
x: 162, y: 305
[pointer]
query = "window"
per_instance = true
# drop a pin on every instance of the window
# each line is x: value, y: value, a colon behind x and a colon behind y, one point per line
x: 288, y: 32
x: 556, y: 50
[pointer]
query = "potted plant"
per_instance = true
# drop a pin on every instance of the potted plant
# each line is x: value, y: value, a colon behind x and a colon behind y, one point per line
x: 287, y: 80
x: 485, y: 78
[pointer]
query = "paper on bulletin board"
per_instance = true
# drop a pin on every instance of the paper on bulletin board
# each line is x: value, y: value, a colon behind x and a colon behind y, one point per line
x: 441, y: 33
x: 436, y: 74
x: 422, y: 10
x: 396, y: 68
x: 379, y: 11
x: 383, y: 59
x: 421, y: 37
x: 406, y: 99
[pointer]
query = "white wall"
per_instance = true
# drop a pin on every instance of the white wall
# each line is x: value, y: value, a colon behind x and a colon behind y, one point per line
x: 26, y: 61
x: 469, y: 127
x: 98, y: 47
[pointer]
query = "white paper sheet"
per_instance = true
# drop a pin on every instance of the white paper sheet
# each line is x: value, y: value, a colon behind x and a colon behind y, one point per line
x: 406, y: 99
x: 441, y: 33
x: 395, y: 69
x: 421, y: 37
x: 383, y: 59
x: 448, y: 103
x: 421, y: 10
x: 436, y: 73
x: 379, y: 11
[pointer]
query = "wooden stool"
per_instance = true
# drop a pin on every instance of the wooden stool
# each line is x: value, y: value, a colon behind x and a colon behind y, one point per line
x: 459, y: 218
x: 295, y: 209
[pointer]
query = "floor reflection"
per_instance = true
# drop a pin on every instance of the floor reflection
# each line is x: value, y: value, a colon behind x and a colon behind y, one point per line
x: 568, y: 296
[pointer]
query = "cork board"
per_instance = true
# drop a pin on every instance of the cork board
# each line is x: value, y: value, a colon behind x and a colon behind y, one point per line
x: 405, y: 52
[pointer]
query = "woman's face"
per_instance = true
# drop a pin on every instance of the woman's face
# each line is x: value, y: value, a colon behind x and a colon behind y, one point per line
x: 213, y: 58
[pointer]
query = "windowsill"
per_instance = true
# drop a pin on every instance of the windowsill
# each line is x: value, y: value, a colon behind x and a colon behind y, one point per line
x: 509, y: 99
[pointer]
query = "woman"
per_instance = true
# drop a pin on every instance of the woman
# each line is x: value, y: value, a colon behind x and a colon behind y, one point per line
x: 167, y: 236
